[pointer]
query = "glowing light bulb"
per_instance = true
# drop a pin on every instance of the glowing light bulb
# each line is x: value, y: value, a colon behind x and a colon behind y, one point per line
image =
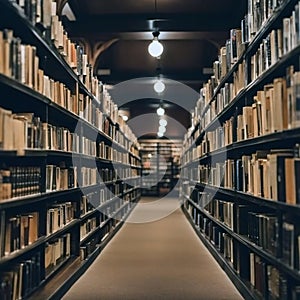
x: 155, y: 48
x: 159, y: 86
x: 162, y: 129
x: 163, y: 122
x: 160, y: 111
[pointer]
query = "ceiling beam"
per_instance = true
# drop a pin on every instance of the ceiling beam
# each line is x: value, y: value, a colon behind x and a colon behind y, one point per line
x: 190, y: 75
x: 145, y: 23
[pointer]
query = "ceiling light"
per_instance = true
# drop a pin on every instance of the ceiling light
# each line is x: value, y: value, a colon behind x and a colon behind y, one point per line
x: 160, y: 111
x: 160, y: 134
x: 125, y: 118
x: 159, y: 86
x: 162, y: 129
x: 155, y: 48
x: 163, y: 122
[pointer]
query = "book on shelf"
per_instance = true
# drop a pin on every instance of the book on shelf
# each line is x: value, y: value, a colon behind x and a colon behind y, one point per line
x: 59, y: 215
x: 18, y: 232
x: 21, y: 279
x: 56, y: 252
x: 19, y: 181
x: 60, y: 178
x: 87, y: 227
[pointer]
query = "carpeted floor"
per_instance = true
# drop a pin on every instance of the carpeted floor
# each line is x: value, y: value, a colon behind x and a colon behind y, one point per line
x: 155, y: 255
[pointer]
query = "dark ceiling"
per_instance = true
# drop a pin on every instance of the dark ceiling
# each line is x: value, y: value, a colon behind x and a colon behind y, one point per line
x: 118, y: 33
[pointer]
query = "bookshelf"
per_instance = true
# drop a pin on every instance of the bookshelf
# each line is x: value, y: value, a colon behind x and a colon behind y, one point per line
x: 240, y: 162
x: 160, y: 165
x: 65, y: 154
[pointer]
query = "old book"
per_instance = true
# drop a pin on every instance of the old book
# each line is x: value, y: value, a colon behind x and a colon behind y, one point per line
x: 33, y: 227
x: 277, y: 173
x: 24, y: 236
x: 288, y: 253
x: 279, y: 107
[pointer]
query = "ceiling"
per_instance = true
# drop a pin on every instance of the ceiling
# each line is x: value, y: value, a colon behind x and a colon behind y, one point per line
x: 118, y: 32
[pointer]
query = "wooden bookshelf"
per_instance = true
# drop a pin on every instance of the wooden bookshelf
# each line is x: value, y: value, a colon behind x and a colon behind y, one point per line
x: 163, y: 174
x: 89, y: 170
x: 215, y: 150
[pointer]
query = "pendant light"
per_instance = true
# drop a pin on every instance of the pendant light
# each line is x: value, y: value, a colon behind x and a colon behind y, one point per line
x: 155, y: 48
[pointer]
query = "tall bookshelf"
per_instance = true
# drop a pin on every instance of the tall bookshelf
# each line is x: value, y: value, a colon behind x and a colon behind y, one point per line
x: 65, y: 154
x: 240, y: 163
x: 160, y: 165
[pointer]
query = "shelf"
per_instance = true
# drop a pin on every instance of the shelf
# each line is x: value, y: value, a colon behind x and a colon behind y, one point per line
x: 61, y: 282
x: 284, y: 60
x: 251, y: 145
x: 268, y: 25
x: 30, y: 34
x: 7, y: 259
x: 88, y: 236
x: 31, y: 199
x: 255, y: 248
x: 225, y: 265
x: 61, y: 231
x: 294, y: 209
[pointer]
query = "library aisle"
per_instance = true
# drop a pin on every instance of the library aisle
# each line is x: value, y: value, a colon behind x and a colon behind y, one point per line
x: 163, y: 259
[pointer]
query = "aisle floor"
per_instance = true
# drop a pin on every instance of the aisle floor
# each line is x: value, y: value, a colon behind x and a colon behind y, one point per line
x: 155, y: 255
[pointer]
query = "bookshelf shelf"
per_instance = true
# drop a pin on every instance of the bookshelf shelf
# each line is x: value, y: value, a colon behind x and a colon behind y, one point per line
x: 294, y: 209
x: 244, y: 289
x: 47, y: 161
x: 243, y: 240
x: 7, y: 259
x: 31, y: 35
x: 245, y: 173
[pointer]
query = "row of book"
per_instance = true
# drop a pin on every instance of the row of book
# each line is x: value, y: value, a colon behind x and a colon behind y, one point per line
x: 218, y: 102
x: 43, y: 15
x: 25, y: 131
x: 269, y: 174
x: 274, y: 110
x: 228, y: 54
x: 60, y: 177
x: 233, y: 50
x: 86, y: 203
x: 263, y: 228
x: 56, y: 252
x: 87, y: 227
x: 92, y: 176
x: 17, y: 231
x: 267, y: 279
x: 259, y: 12
x: 19, y: 181
x: 89, y: 247
x: 279, y: 42
x: 22, y: 63
x: 132, y: 195
x: 59, y: 215
x: 21, y: 279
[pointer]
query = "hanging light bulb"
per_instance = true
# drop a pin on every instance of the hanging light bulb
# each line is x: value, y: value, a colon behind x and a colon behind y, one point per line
x: 160, y: 134
x: 162, y: 129
x: 160, y: 111
x: 159, y: 86
x: 163, y: 122
x: 155, y: 48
